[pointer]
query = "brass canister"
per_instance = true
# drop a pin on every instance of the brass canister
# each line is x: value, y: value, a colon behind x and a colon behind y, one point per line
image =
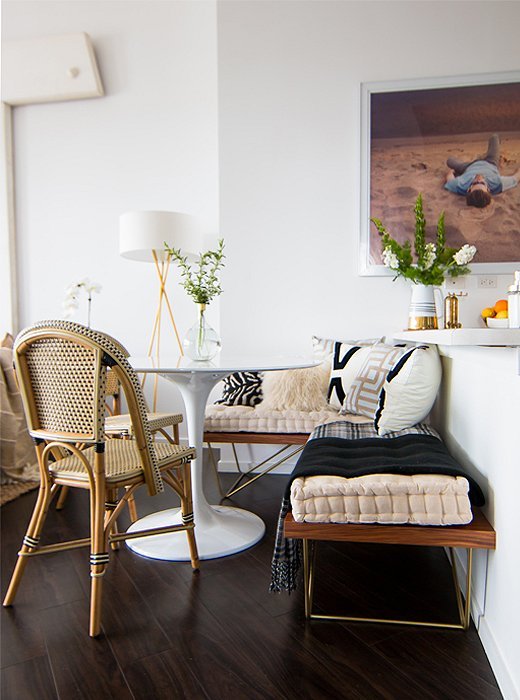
x: 451, y: 312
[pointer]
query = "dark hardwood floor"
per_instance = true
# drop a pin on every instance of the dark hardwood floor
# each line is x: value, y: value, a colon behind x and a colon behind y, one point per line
x: 220, y: 634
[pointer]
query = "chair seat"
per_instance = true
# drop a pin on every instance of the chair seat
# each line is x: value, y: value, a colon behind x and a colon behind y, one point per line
x: 123, y: 424
x: 122, y: 460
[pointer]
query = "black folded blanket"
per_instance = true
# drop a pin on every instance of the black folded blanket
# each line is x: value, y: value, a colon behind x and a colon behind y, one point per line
x: 406, y: 454
x: 418, y: 451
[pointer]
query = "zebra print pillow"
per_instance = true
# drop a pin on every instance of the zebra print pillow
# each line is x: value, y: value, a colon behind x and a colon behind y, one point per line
x: 242, y: 389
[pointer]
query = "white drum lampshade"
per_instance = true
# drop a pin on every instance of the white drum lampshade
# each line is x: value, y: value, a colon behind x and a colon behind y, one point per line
x: 142, y: 232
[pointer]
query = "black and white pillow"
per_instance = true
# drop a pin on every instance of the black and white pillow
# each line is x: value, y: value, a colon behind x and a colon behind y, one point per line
x: 410, y: 389
x: 242, y: 389
x: 347, y: 360
x: 323, y: 348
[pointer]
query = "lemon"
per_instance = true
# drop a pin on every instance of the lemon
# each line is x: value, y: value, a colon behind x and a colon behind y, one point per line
x: 501, y: 314
x: 488, y: 312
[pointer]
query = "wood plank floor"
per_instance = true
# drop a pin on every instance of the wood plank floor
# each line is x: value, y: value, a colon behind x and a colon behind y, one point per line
x: 219, y: 634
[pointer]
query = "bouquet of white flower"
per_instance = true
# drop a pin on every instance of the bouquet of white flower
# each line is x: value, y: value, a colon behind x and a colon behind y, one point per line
x: 72, y: 292
x: 434, y: 260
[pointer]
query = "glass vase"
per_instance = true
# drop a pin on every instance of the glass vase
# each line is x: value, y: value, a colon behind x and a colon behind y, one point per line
x: 202, y: 342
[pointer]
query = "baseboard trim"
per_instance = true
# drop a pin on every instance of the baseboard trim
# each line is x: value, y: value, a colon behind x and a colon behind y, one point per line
x: 505, y: 681
x: 502, y: 672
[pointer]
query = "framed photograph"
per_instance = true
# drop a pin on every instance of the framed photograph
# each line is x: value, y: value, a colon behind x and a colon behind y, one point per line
x: 443, y: 138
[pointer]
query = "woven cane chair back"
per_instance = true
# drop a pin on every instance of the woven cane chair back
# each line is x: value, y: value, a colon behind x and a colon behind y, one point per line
x: 62, y: 372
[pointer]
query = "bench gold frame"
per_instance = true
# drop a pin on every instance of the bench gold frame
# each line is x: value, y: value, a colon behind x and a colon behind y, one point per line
x: 478, y: 534
x: 286, y: 440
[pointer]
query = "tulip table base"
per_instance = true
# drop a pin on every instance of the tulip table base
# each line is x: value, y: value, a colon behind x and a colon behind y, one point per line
x: 226, y: 531
x: 219, y: 530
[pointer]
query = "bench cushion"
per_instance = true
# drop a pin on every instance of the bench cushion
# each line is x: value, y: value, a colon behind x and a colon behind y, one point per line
x: 422, y: 499
x: 236, y: 419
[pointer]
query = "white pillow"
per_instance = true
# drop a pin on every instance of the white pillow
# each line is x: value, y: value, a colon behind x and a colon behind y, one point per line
x: 363, y: 396
x: 322, y: 348
x: 297, y: 389
x: 347, y: 360
x: 410, y: 389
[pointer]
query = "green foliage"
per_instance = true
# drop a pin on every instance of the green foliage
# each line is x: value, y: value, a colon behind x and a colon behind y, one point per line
x: 433, y: 261
x: 202, y: 283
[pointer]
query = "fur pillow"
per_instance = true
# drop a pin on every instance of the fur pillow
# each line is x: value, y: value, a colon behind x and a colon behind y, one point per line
x: 296, y: 389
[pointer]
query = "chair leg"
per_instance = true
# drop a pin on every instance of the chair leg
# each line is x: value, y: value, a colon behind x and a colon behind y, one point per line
x: 98, y: 555
x: 110, y: 505
x: 132, y: 509
x: 62, y: 497
x: 187, y: 514
x: 30, y: 541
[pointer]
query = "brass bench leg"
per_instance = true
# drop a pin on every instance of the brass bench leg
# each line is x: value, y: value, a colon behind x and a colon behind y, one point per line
x: 243, y: 474
x: 235, y: 488
x: 309, y: 560
x: 464, y: 610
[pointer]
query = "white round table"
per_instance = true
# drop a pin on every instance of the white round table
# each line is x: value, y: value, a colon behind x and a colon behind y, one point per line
x: 219, y: 530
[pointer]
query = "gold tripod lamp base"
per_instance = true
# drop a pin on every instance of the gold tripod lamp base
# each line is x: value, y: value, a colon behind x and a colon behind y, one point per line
x: 143, y: 236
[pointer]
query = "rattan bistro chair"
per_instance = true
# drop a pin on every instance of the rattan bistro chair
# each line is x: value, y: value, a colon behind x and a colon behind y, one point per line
x: 119, y: 425
x: 61, y: 369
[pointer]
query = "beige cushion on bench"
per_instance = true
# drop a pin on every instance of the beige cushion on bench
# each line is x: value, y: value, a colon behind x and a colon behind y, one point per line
x: 236, y: 419
x: 382, y: 498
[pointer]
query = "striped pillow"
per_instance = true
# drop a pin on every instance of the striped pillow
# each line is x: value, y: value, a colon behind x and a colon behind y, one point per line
x: 363, y: 395
x: 242, y: 389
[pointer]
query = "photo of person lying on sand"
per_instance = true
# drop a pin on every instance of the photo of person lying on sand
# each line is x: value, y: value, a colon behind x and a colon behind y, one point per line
x: 460, y: 148
x: 479, y: 179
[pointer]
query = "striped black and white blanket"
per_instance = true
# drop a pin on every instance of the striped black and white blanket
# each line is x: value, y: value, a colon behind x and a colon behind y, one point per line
x: 355, y: 449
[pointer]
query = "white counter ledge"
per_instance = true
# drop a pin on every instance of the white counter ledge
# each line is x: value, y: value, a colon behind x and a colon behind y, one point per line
x: 509, y: 337
x: 482, y: 345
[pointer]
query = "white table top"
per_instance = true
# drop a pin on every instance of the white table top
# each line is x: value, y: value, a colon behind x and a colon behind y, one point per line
x: 225, y: 363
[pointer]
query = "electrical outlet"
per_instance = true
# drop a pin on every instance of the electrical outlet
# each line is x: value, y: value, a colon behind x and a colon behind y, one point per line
x: 489, y: 282
x: 453, y: 283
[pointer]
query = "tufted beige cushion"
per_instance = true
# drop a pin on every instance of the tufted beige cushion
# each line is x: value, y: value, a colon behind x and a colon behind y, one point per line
x: 382, y: 498
x: 235, y: 419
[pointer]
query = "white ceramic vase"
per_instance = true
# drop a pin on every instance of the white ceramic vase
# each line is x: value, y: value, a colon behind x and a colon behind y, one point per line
x: 422, y: 314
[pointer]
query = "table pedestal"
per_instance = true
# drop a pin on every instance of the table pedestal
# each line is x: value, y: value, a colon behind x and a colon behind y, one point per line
x: 219, y: 530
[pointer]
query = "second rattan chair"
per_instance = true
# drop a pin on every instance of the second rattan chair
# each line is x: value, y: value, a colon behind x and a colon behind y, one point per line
x: 61, y: 369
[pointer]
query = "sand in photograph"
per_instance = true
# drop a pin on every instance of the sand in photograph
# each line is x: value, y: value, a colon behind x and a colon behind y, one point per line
x: 401, y: 168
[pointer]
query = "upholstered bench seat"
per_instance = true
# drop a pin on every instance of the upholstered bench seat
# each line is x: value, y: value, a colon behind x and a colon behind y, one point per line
x: 422, y: 499
x: 244, y: 419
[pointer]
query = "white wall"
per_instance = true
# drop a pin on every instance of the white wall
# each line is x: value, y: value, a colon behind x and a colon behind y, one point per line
x: 289, y: 124
x: 289, y: 139
x: 150, y: 143
x: 478, y: 415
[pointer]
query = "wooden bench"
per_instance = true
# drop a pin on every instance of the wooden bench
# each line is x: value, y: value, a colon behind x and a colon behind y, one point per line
x: 286, y: 440
x: 478, y: 534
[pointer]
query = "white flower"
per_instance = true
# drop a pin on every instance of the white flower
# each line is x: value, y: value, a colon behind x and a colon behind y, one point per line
x: 390, y: 259
x: 465, y: 254
x: 72, y: 293
x: 430, y: 251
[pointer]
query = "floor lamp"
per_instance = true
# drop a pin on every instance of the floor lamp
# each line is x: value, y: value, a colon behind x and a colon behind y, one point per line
x: 142, y: 235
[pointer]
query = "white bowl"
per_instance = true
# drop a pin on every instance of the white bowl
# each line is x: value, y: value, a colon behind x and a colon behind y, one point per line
x: 497, y: 322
